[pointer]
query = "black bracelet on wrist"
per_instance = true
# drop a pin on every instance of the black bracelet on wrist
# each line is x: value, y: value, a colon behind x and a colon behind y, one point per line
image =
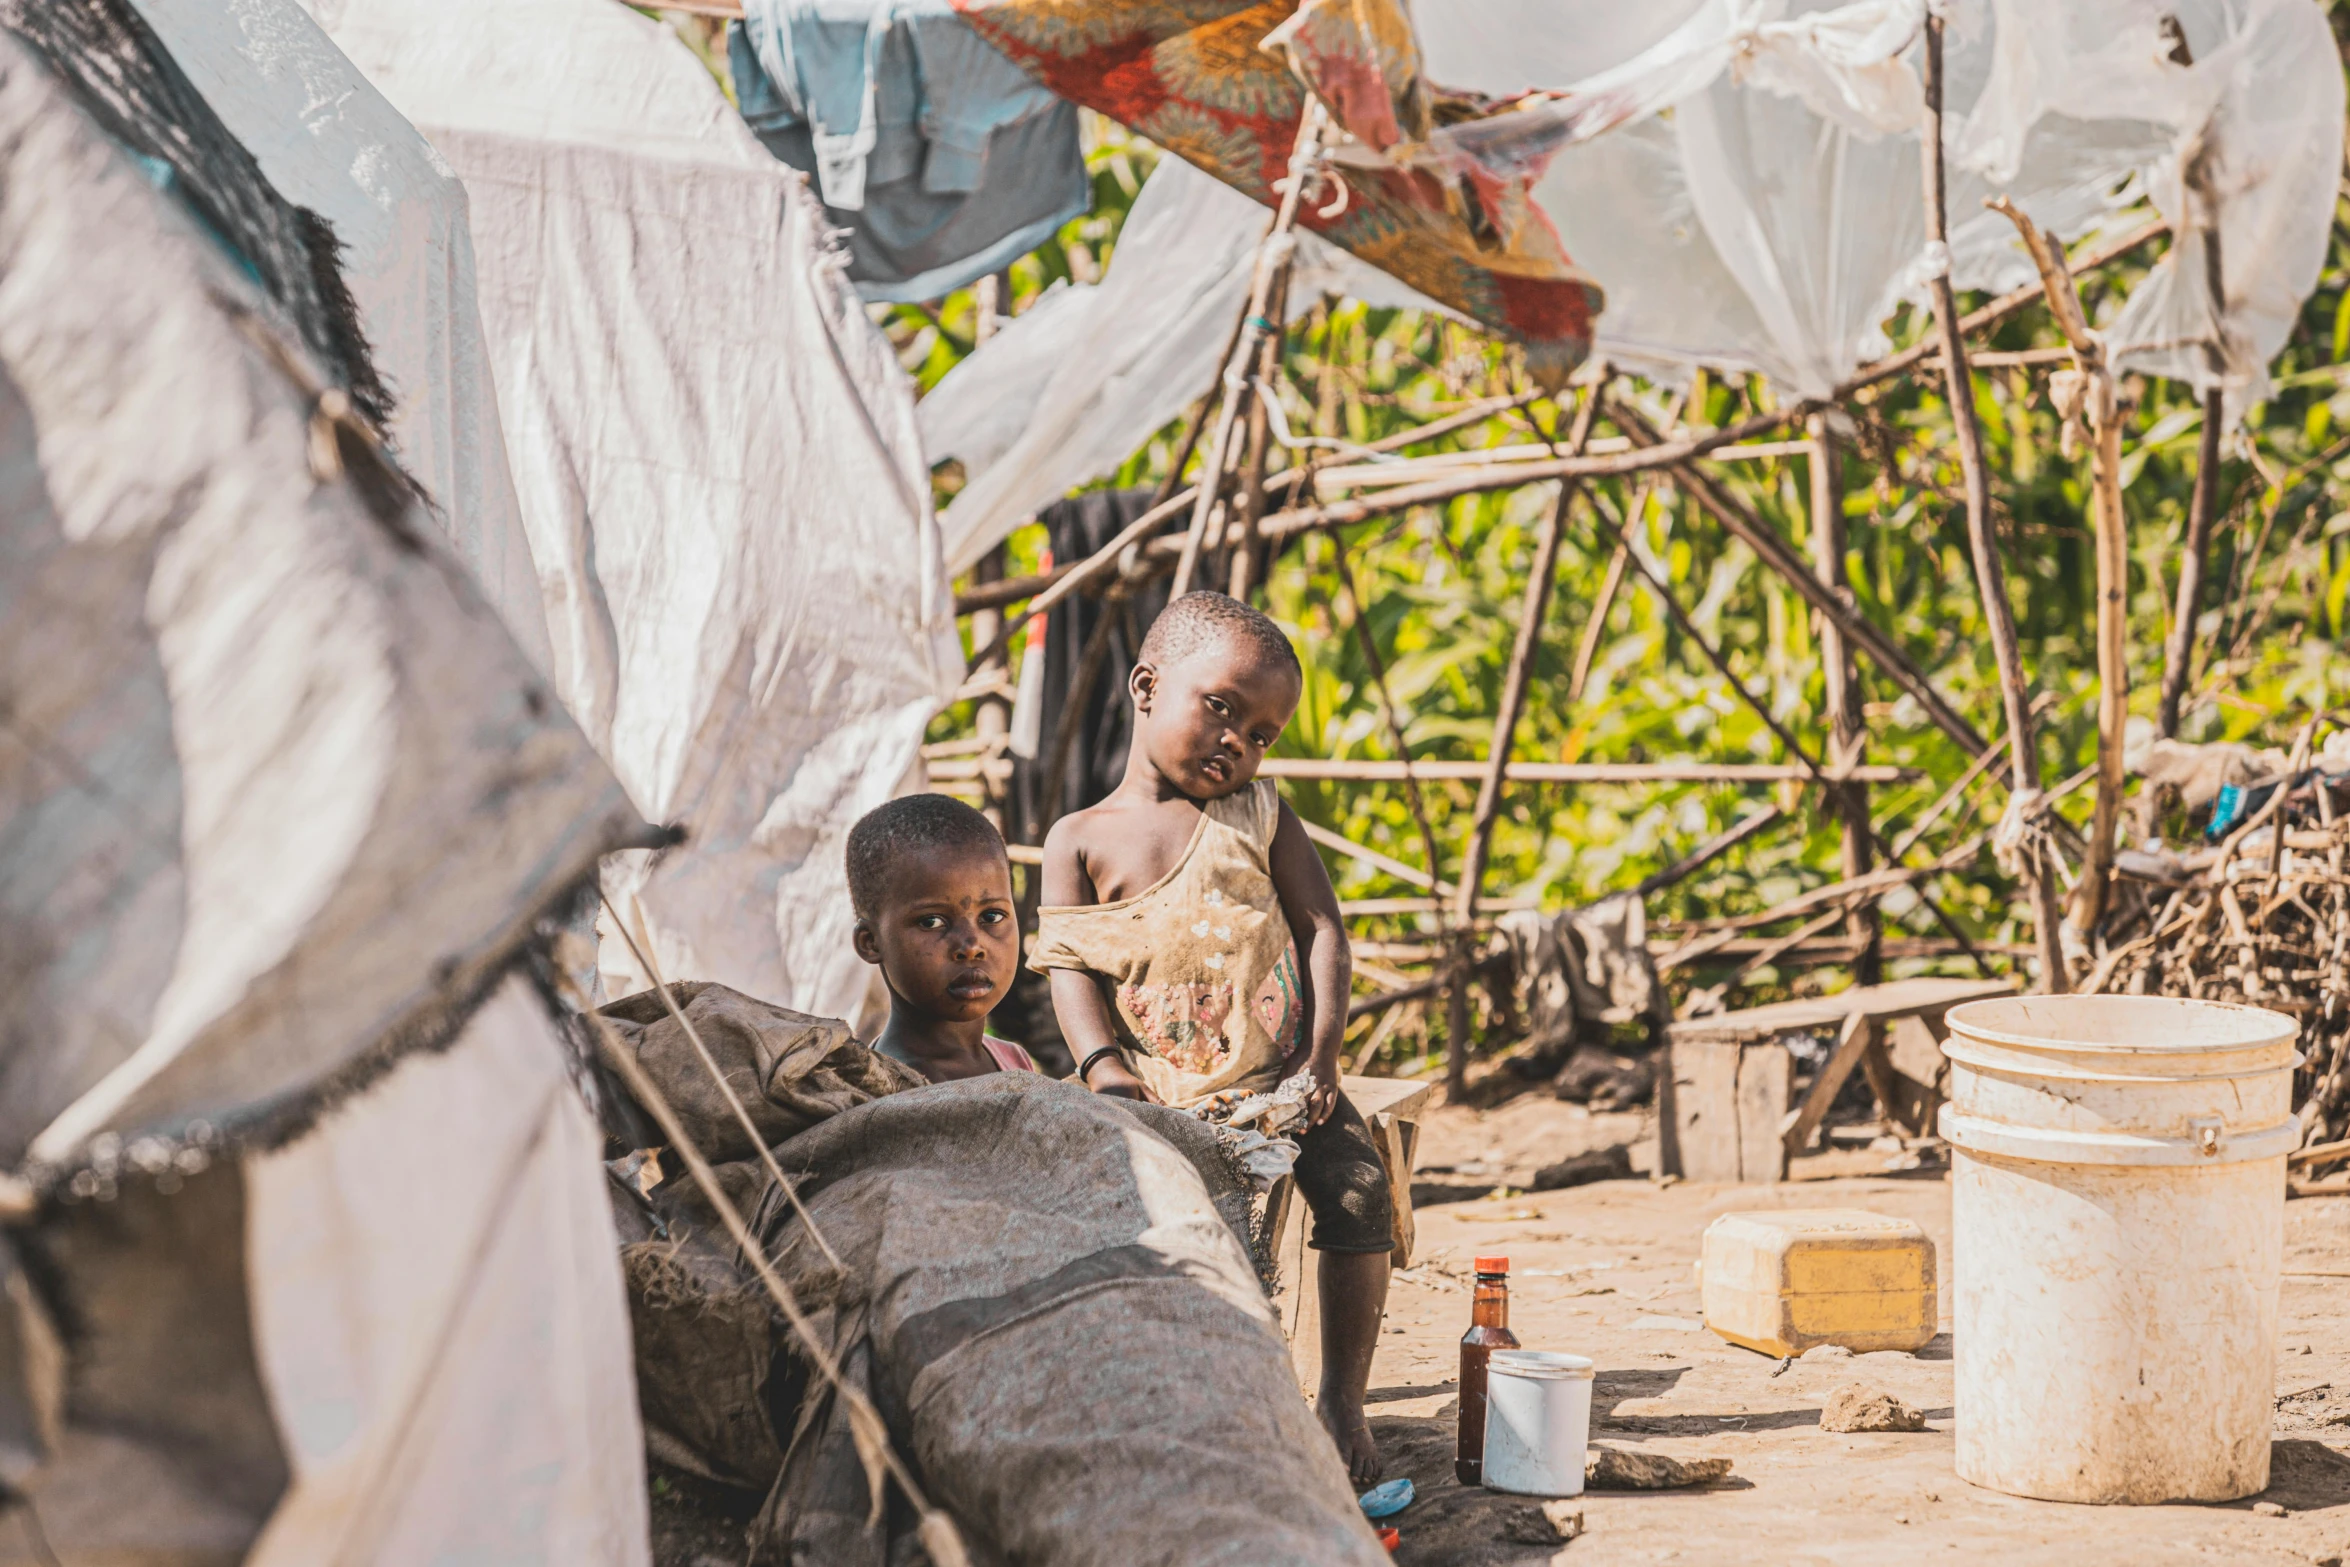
x: 1086, y: 1065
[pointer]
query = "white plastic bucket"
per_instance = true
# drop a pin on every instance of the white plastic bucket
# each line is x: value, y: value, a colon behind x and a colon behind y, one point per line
x: 1537, y: 1422
x: 2118, y: 1218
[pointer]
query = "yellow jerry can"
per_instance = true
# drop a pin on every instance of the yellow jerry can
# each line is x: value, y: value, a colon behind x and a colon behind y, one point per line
x: 1786, y: 1282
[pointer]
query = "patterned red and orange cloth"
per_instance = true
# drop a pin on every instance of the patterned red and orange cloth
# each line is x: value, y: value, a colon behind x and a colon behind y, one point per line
x: 1221, y: 84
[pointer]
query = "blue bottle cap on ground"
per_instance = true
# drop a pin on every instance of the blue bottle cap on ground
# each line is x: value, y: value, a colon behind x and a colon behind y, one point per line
x: 1385, y: 1501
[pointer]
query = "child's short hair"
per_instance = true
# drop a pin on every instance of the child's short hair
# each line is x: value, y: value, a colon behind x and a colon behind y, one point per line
x: 912, y: 824
x: 1198, y: 619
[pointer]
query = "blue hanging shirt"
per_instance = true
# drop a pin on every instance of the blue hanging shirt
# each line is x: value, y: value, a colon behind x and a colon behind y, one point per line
x: 942, y: 159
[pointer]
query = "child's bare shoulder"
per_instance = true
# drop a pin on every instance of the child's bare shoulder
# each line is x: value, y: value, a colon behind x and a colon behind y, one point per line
x: 1067, y: 880
x: 1071, y: 834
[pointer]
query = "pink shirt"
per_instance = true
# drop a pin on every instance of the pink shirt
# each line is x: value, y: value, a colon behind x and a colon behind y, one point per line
x: 1007, y: 1056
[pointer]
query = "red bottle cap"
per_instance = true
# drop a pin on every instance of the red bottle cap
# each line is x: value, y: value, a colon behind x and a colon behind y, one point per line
x: 1391, y: 1538
x: 1493, y: 1265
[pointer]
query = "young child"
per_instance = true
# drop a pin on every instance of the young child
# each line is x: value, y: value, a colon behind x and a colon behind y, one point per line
x: 932, y: 889
x: 1177, y: 912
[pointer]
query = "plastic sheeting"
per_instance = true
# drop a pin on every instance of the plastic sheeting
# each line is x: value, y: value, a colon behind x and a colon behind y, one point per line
x: 1066, y: 392
x: 2244, y: 144
x: 278, y: 794
x: 716, y: 460
x: 328, y: 141
x: 1774, y: 219
x: 441, y: 1322
x: 1207, y: 83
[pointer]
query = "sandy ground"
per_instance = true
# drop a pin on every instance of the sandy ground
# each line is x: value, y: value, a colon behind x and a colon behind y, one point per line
x: 1605, y: 1271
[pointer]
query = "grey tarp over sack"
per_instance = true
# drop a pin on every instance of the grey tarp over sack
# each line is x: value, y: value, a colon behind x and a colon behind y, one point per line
x: 1045, y: 1293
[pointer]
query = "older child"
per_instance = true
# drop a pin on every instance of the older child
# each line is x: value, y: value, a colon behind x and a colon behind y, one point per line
x: 932, y: 889
x: 1176, y: 914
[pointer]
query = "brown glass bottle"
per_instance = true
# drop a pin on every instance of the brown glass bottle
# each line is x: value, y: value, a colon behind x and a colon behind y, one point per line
x: 1489, y: 1330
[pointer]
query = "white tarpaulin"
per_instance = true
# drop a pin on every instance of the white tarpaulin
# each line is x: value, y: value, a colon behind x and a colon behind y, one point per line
x: 717, y: 463
x: 1067, y: 391
x: 280, y: 802
x: 328, y: 141
x: 1775, y: 217
x: 441, y: 1319
x: 278, y: 784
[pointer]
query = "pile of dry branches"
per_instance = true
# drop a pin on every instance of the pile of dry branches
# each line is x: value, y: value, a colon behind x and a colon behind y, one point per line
x: 2263, y: 918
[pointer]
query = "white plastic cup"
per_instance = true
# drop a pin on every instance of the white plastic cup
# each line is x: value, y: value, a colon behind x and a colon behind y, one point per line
x: 1537, y: 1422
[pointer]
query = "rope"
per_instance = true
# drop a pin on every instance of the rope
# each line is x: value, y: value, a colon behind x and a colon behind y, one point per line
x: 874, y: 1451
x: 742, y: 1116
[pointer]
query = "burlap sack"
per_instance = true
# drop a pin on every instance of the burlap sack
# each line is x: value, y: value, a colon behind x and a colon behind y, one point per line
x: 789, y: 1069
x: 1048, y: 1295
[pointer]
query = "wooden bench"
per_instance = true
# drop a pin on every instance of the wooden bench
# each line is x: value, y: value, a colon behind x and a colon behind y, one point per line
x: 1391, y: 1107
x: 1722, y: 1102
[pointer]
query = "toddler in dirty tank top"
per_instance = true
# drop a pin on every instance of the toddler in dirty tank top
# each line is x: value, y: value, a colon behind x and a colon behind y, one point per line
x: 1194, y: 945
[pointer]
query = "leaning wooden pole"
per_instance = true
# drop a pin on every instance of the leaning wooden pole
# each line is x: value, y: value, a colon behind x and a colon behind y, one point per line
x: 1272, y: 269
x: 1990, y: 575
x: 2091, y: 398
x: 2178, y: 654
x: 1377, y: 666
x: 1532, y: 610
x: 1847, y: 725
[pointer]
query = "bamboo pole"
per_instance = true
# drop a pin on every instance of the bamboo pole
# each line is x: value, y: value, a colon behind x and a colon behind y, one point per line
x: 1068, y: 582
x: 993, y: 719
x: 1595, y: 624
x: 1054, y: 784
x: 2178, y: 652
x: 1413, y: 799
x: 1848, y: 729
x: 2098, y: 404
x: 1196, y: 420
x: 1996, y: 311
x: 1266, y: 374
x: 1531, y: 612
x: 1809, y: 769
x: 1285, y: 524
x: 1339, y: 843
x: 1990, y: 575
x: 1273, y: 260
x: 1707, y: 852
x: 1780, y: 556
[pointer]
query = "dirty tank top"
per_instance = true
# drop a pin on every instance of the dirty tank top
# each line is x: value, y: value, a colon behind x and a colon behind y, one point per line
x: 1199, y: 969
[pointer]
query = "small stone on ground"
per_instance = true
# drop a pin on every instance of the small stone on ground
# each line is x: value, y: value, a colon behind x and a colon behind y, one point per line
x: 1819, y: 1352
x: 1620, y: 1469
x: 1868, y: 1409
x: 1549, y: 1523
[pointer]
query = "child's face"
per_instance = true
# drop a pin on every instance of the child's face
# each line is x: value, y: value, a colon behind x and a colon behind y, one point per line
x: 1207, y: 717
x: 945, y: 936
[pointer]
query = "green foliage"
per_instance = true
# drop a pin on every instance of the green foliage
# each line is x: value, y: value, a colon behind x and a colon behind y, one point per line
x: 1443, y: 589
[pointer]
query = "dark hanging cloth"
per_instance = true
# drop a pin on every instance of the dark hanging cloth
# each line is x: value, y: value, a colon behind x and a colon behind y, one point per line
x: 1079, y: 526
x: 112, y: 62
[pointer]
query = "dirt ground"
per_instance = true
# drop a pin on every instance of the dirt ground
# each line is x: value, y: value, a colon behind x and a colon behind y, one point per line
x: 1605, y: 1271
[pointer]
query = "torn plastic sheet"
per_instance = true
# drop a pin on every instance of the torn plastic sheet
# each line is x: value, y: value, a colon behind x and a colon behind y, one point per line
x: 717, y: 461
x: 1066, y: 392
x: 1748, y: 230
